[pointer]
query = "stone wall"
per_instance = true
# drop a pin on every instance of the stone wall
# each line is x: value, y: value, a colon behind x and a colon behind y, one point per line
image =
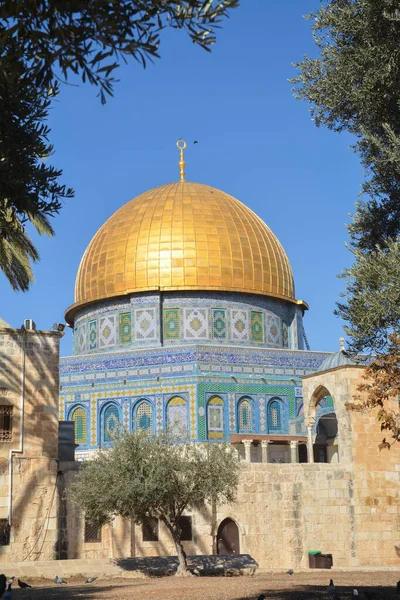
x: 349, y: 509
x: 29, y: 368
x: 282, y: 511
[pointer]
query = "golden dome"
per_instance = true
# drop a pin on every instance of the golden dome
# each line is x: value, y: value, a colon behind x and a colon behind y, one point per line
x: 183, y: 236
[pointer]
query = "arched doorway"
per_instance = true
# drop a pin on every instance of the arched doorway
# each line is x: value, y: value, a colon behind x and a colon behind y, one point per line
x: 228, y: 538
x: 326, y: 433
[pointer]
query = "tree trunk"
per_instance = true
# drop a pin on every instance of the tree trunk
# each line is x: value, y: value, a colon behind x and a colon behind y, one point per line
x: 214, y: 526
x: 182, y: 559
x: 182, y: 567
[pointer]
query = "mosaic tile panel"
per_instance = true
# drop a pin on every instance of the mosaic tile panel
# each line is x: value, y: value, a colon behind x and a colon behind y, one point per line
x: 172, y: 325
x: 159, y: 413
x: 107, y: 332
x: 261, y: 408
x: 125, y: 328
x: 285, y: 334
x: 293, y: 334
x: 61, y: 408
x: 219, y: 324
x: 195, y: 324
x: 193, y: 418
x: 232, y: 412
x: 92, y: 335
x: 240, y: 325
x: 82, y: 338
x: 145, y: 324
x: 125, y: 412
x: 283, y: 392
x: 93, y: 420
x: 257, y: 326
x: 273, y: 327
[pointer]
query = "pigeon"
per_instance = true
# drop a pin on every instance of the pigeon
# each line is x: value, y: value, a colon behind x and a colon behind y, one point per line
x: 8, y: 593
x: 290, y: 572
x: 11, y: 580
x: 332, y: 593
x: 59, y: 580
x: 3, y: 581
x: 23, y: 585
x: 90, y: 579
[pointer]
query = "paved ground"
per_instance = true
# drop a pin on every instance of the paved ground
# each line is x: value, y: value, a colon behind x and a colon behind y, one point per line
x: 310, y: 585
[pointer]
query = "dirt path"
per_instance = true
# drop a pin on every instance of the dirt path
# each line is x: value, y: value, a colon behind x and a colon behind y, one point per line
x: 310, y: 585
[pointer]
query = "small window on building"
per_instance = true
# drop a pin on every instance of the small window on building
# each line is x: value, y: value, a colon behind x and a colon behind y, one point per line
x: 80, y: 425
x: 185, y: 524
x: 245, y: 418
x: 4, y: 532
x: 6, y: 414
x: 150, y: 529
x: 92, y: 532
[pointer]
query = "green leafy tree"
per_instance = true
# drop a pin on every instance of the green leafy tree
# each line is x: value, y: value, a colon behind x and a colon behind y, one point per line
x: 143, y: 476
x: 29, y: 187
x: 354, y: 86
x: 43, y: 44
x: 372, y: 307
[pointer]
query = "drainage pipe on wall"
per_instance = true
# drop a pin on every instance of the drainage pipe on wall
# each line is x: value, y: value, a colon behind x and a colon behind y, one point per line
x: 20, y: 449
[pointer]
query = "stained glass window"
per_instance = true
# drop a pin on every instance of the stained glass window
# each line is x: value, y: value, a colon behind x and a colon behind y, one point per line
x: 245, y: 416
x: 274, y: 416
x: 80, y: 420
x: 110, y: 422
x: 215, y: 418
x: 144, y: 417
x: 177, y: 425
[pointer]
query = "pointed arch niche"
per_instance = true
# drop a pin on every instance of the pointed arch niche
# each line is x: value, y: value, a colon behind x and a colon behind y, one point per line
x: 245, y: 415
x: 215, y: 418
x: 110, y: 422
x: 80, y: 418
x: 177, y: 419
x: 143, y: 416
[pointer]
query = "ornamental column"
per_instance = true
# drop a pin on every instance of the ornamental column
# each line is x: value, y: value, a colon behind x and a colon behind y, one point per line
x: 310, y: 449
x: 264, y: 450
x: 294, y: 451
x: 247, y: 450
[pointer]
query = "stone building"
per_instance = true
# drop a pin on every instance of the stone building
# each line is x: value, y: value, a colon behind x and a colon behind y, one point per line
x: 185, y: 319
x: 29, y: 387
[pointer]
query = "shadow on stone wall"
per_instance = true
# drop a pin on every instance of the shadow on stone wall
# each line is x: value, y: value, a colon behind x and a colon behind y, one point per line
x: 34, y: 493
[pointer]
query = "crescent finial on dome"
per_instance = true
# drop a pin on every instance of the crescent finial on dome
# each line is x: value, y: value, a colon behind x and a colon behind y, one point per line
x: 181, y: 145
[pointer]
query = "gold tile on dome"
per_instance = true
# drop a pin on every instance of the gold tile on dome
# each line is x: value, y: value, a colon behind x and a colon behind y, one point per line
x: 192, y: 233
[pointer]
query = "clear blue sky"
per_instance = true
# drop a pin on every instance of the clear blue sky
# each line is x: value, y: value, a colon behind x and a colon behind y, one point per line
x: 255, y: 142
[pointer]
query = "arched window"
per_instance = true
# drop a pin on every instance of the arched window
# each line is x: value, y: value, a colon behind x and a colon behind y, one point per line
x: 80, y: 425
x: 245, y: 420
x: 177, y: 425
x: 274, y: 416
x: 215, y: 418
x: 144, y: 417
x: 110, y: 422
